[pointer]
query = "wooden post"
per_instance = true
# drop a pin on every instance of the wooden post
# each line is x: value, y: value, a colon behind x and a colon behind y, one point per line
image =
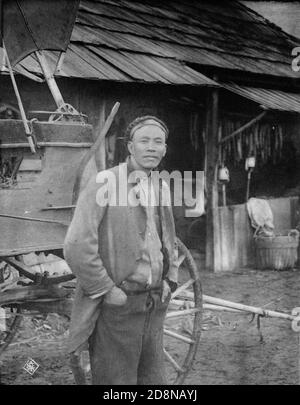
x: 20, y: 104
x: 224, y: 194
x: 100, y: 157
x: 248, y: 185
x: 50, y: 79
x: 212, y: 223
x: 298, y: 358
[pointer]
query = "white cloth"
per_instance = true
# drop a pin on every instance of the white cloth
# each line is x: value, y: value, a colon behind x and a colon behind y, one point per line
x: 261, y: 216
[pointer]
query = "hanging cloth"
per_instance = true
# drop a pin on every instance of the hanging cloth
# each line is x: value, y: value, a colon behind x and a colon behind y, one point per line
x: 261, y: 216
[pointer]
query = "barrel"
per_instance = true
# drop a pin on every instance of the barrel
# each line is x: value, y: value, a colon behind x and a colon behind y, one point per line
x: 279, y: 252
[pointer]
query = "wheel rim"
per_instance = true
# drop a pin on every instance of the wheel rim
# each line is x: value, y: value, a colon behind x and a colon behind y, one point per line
x: 188, y: 299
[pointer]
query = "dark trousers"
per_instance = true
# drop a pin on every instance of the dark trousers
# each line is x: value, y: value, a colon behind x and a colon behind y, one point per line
x: 126, y: 347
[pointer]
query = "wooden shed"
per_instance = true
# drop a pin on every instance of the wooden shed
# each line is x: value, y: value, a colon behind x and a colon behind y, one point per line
x: 214, y: 71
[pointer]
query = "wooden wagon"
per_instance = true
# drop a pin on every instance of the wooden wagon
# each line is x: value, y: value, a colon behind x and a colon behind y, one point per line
x: 37, y: 202
x: 43, y: 167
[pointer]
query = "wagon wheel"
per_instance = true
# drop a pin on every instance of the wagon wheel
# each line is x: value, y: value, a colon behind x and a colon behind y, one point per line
x: 13, y: 320
x: 183, y: 320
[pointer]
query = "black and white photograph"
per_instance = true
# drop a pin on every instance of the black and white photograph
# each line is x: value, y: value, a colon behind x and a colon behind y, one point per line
x: 149, y: 195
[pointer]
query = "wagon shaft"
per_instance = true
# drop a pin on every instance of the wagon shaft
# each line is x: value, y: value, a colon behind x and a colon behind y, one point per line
x: 31, y: 293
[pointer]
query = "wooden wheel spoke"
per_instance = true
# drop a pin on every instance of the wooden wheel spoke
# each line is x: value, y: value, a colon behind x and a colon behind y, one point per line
x: 178, y: 336
x: 182, y: 303
x: 173, y: 362
x: 183, y: 287
x: 181, y: 259
x: 187, y: 294
x: 221, y: 308
x: 174, y: 314
x: 183, y: 296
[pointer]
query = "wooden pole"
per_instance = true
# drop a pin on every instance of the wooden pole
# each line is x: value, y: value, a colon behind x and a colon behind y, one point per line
x: 94, y: 151
x: 61, y: 207
x: 212, y: 123
x: 58, y: 98
x: 242, y: 128
x: 173, y: 362
x: 60, y: 62
x: 248, y: 184
x: 224, y: 194
x: 181, y: 303
x: 50, y: 144
x: 100, y: 157
x: 99, y: 146
x: 20, y: 104
x: 207, y: 299
x: 50, y: 221
x: 298, y: 358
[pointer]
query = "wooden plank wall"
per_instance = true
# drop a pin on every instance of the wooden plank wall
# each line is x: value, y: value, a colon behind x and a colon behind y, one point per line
x: 235, y: 236
x: 284, y: 212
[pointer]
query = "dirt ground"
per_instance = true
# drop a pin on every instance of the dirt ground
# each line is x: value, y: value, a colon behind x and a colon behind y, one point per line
x: 230, y: 352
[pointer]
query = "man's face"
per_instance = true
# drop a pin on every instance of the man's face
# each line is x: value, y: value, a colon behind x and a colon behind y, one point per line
x: 147, y: 147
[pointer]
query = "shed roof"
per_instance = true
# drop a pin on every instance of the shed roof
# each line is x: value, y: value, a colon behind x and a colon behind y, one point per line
x: 159, y: 41
x: 268, y: 99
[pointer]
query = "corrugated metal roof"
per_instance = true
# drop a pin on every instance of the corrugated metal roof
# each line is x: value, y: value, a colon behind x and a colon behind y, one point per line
x: 154, y: 41
x: 268, y: 99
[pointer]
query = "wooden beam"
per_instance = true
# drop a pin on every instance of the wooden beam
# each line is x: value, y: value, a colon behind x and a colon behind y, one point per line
x: 20, y: 104
x: 58, y: 98
x: 61, y: 306
x: 59, y: 62
x: 211, y: 185
x: 31, y: 293
x: 22, y: 218
x: 55, y: 249
x: 178, y: 336
x: 100, y: 156
x: 243, y: 127
x: 58, y: 207
x: 173, y: 362
x: 44, y: 144
x: 207, y: 299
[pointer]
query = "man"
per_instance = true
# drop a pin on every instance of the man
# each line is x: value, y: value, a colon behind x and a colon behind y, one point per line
x: 124, y: 256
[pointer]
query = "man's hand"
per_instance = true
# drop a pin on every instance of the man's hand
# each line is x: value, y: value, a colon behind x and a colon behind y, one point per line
x: 115, y: 296
x: 165, y: 290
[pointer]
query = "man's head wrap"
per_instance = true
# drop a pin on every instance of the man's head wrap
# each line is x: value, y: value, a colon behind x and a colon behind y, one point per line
x: 142, y: 122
